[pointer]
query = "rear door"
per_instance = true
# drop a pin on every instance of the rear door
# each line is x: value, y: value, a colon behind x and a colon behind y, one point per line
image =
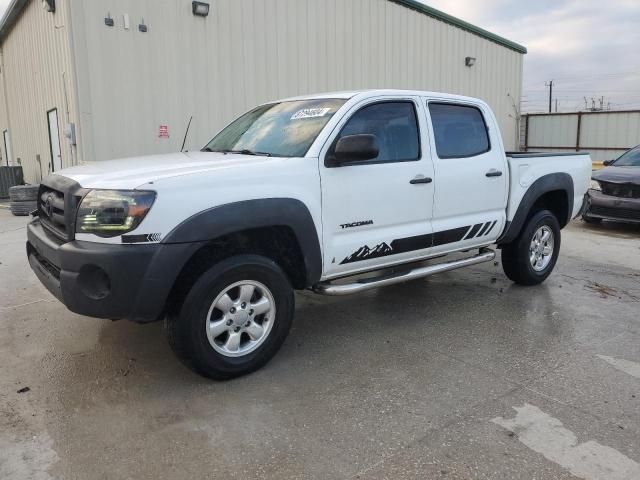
x: 471, y: 172
x: 378, y: 212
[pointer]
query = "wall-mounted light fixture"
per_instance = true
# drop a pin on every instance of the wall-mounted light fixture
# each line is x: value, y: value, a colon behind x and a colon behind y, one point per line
x: 142, y: 26
x: 49, y: 5
x: 201, y: 9
x: 470, y: 61
x: 108, y: 21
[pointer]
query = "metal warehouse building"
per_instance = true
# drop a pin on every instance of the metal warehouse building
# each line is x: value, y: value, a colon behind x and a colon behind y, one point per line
x: 93, y: 80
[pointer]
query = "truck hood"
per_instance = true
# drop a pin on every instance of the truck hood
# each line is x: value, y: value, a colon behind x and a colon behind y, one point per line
x: 130, y: 173
x: 618, y: 175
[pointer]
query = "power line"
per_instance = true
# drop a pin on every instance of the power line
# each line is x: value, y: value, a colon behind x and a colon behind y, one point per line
x: 598, y: 75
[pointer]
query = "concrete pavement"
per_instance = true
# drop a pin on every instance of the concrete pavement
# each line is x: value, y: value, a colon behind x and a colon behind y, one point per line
x: 463, y: 375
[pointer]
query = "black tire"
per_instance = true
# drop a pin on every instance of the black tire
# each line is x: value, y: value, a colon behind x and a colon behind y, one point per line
x: 515, y: 256
x: 21, y: 209
x: 591, y: 220
x: 186, y: 328
x: 22, y: 193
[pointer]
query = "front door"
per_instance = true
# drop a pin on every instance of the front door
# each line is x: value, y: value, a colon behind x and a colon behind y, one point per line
x: 378, y: 212
x: 471, y: 187
x: 54, y: 140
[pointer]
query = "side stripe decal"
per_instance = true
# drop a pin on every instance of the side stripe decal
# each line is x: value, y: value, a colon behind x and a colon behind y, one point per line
x: 419, y: 242
x: 491, y: 227
x: 484, y: 229
x: 474, y: 231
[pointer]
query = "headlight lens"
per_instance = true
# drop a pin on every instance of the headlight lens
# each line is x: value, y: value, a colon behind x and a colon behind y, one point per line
x: 595, y: 185
x: 109, y: 213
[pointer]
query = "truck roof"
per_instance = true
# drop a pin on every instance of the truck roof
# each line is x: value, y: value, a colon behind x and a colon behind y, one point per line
x: 348, y: 94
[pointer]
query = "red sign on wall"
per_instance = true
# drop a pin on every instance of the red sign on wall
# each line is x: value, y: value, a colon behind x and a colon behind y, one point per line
x: 163, y: 131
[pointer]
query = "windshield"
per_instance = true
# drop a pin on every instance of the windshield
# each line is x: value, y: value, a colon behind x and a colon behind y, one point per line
x: 629, y: 159
x: 285, y: 129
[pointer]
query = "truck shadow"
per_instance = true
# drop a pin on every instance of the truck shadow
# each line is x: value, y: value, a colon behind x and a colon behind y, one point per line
x: 332, y: 334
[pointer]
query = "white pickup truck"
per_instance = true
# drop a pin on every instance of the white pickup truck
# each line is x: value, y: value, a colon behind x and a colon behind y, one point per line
x: 338, y: 193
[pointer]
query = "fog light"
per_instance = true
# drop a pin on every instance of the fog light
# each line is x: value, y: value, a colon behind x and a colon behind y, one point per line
x: 94, y: 282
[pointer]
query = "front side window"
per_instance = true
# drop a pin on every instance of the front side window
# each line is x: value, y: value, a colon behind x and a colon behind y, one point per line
x: 285, y: 129
x: 629, y: 159
x: 395, y: 127
x: 459, y: 130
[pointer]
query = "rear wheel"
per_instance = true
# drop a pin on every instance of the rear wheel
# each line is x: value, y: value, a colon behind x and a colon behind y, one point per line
x: 234, y: 319
x: 531, y: 257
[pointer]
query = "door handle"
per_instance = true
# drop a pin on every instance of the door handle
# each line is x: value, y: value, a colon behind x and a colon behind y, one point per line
x: 493, y: 173
x: 420, y: 179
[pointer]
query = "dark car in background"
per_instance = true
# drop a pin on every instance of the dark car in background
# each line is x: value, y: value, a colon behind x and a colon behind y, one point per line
x: 615, y: 190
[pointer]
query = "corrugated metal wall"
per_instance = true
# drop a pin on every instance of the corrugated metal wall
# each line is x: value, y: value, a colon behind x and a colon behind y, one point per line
x: 606, y: 135
x: 250, y: 51
x: 35, y: 71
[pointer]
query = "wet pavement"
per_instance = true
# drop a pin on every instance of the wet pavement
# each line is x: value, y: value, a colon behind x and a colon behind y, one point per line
x: 463, y: 375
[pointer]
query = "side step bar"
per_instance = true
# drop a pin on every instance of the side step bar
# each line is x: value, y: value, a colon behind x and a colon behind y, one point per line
x: 328, y: 288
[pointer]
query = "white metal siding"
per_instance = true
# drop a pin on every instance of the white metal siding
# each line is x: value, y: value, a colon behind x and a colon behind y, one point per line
x: 35, y: 69
x: 251, y: 51
x: 606, y: 135
x: 558, y: 131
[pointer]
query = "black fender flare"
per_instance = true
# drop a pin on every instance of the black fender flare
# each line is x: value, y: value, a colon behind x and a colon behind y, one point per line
x: 249, y: 214
x: 547, y: 183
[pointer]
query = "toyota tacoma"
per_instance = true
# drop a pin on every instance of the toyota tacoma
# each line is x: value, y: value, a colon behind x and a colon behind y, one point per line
x: 337, y: 193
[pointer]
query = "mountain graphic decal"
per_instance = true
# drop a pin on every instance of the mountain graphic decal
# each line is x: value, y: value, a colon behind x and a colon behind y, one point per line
x: 366, y: 253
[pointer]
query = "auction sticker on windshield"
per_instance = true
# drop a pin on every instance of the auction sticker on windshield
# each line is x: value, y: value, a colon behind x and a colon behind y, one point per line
x: 310, y: 113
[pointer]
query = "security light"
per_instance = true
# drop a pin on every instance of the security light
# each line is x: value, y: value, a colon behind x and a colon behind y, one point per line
x: 49, y: 5
x: 200, y: 9
x: 470, y: 61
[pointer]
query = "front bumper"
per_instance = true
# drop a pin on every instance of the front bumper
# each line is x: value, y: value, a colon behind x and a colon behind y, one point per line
x: 608, y: 207
x: 107, y: 280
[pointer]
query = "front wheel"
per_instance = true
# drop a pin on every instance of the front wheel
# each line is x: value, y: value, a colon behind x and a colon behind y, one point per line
x: 530, y: 258
x: 234, y: 319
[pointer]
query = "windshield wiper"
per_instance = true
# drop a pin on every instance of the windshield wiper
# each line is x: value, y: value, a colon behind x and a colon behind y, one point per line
x: 246, y: 151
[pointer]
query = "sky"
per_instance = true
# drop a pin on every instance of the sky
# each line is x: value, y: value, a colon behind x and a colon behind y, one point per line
x: 589, y: 48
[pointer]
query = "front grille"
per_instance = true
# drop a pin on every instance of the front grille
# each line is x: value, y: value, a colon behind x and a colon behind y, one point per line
x: 51, y: 207
x: 609, y: 212
x: 622, y: 190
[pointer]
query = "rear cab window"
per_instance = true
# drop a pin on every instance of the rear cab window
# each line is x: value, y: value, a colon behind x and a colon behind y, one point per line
x: 460, y: 131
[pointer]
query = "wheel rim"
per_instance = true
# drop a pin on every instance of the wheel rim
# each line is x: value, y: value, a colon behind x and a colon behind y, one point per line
x: 240, y: 318
x: 541, y: 248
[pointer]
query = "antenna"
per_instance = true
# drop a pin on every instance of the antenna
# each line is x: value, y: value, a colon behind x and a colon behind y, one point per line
x: 186, y: 133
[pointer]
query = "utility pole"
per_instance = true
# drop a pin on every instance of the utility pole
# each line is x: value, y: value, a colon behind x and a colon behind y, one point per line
x: 550, y: 85
x: 556, y: 105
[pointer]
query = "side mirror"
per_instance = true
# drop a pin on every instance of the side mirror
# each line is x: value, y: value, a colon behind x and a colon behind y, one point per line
x: 356, y: 148
x: 606, y: 163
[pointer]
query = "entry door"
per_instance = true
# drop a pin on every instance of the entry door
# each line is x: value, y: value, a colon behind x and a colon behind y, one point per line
x: 54, y: 140
x: 471, y: 185
x: 7, y: 147
x: 371, y: 212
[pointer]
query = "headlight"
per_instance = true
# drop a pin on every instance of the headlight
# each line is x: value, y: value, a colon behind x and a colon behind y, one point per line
x: 595, y: 185
x: 109, y: 213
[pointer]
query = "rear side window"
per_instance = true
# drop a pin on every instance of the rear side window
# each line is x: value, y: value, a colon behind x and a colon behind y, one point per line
x: 395, y: 127
x: 459, y: 130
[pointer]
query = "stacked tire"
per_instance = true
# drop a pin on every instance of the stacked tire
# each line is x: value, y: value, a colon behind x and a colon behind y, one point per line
x: 24, y: 199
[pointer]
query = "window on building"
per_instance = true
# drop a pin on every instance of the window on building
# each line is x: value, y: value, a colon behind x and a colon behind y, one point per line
x: 459, y: 130
x: 395, y: 127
